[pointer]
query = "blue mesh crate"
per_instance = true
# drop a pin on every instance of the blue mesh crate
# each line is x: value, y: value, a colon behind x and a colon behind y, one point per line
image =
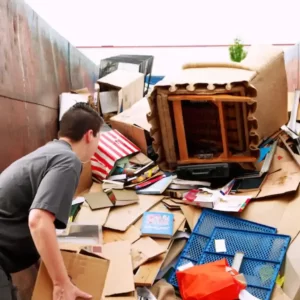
x: 263, y: 256
x: 201, y: 234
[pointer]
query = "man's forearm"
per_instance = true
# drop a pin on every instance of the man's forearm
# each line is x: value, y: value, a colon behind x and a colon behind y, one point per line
x: 44, y: 236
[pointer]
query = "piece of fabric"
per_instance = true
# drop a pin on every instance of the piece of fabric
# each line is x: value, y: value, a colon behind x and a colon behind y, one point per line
x: 7, y: 290
x: 44, y: 179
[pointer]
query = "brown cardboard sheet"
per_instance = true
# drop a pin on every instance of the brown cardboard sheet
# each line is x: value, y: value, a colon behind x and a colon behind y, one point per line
x: 281, y: 212
x: 120, y: 273
x: 133, y: 123
x: 98, y: 200
x: 132, y: 234
x: 285, y: 180
x: 88, y: 216
x: 88, y: 273
x: 146, y: 274
x: 192, y: 214
x: 120, y: 218
x: 145, y: 249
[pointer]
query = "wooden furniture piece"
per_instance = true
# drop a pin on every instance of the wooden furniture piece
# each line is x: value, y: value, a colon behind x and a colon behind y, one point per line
x: 204, y: 115
x: 220, y: 102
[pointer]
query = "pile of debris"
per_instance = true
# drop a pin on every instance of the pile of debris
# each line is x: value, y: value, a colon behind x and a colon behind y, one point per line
x: 180, y: 209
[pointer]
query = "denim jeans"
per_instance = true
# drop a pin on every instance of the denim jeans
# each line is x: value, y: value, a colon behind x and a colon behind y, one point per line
x: 7, y: 290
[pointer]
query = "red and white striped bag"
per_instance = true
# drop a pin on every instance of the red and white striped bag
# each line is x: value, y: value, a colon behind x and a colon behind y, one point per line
x: 112, y: 146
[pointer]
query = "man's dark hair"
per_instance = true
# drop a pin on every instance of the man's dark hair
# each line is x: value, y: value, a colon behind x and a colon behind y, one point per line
x: 79, y: 119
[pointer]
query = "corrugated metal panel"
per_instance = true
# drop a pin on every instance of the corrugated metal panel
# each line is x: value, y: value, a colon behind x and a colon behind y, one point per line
x: 36, y: 65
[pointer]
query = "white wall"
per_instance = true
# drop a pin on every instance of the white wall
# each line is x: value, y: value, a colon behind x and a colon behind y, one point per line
x: 166, y: 60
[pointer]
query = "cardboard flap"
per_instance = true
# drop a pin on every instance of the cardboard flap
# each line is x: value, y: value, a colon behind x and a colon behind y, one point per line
x: 120, y: 273
x: 120, y: 78
x: 283, y: 181
x: 260, y: 56
x: 135, y: 115
x: 81, y: 268
x: 143, y: 250
x: 122, y: 217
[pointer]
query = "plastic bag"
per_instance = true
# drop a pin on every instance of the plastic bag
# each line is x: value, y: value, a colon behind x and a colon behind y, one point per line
x: 212, y: 281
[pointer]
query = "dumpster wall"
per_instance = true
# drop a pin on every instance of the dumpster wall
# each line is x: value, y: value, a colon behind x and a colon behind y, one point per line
x: 36, y: 65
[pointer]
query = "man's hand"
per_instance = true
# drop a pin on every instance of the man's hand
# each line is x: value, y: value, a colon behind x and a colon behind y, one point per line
x: 69, y: 292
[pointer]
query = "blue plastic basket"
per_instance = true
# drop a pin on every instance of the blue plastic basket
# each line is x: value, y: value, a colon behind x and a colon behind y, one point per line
x: 263, y: 256
x: 201, y: 235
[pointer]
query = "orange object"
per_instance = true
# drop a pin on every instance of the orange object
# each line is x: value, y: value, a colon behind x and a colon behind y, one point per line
x: 211, y: 281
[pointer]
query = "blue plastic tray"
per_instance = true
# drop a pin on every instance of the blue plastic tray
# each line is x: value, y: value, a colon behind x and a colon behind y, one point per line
x: 201, y: 234
x: 263, y: 256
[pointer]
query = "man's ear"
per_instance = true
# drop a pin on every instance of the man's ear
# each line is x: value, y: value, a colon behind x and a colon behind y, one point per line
x: 88, y: 136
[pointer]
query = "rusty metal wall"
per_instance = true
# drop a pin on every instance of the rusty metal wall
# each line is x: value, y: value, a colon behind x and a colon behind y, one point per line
x: 36, y: 65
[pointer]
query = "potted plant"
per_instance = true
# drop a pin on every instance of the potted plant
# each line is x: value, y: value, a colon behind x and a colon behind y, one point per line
x: 236, y: 51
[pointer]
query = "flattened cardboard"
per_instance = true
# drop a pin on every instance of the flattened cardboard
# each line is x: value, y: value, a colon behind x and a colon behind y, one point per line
x: 125, y: 195
x: 98, y: 200
x: 88, y: 272
x: 121, y: 218
x: 88, y: 216
x: 282, y: 213
x: 133, y: 123
x: 85, y: 180
x: 192, y: 214
x: 147, y: 273
x: 144, y: 250
x: 292, y: 271
x: 171, y: 205
x: 120, y: 273
x: 281, y: 182
x: 132, y: 234
x: 278, y: 294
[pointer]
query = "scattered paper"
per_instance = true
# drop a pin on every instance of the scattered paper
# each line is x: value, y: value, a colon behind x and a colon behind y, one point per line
x: 245, y: 295
x: 78, y: 200
x: 220, y: 246
x: 184, y: 267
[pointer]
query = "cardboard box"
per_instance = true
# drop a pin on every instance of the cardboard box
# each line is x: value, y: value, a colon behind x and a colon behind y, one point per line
x: 86, y: 270
x: 67, y: 100
x: 133, y: 123
x: 129, y: 85
x: 85, y: 180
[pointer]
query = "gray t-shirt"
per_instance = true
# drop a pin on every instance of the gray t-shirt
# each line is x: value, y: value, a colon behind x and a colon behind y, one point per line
x: 44, y: 179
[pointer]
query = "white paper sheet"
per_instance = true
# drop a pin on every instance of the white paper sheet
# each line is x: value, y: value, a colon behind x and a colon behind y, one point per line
x: 220, y: 246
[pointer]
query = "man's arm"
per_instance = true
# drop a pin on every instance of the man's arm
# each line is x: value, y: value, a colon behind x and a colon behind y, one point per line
x: 51, y: 206
x: 41, y: 225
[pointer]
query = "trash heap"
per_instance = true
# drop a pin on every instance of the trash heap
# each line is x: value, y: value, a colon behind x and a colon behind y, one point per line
x: 193, y: 190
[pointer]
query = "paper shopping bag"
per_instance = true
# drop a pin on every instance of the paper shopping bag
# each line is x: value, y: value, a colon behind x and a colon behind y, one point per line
x: 112, y: 147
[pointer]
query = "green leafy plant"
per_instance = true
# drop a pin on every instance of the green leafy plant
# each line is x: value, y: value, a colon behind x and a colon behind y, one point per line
x: 236, y: 51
